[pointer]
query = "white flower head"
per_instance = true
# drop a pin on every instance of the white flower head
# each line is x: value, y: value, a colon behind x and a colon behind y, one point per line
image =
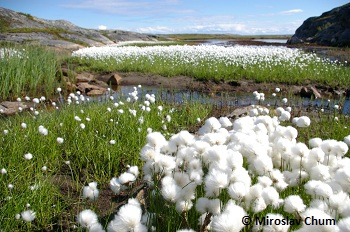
x: 128, y: 218
x: 43, y: 130
x: 60, y: 140
x: 28, y: 156
x: 91, y: 192
x: 28, y: 215
x: 294, y: 204
x: 86, y: 218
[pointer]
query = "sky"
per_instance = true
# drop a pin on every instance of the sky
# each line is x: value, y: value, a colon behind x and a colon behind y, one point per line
x: 244, y: 17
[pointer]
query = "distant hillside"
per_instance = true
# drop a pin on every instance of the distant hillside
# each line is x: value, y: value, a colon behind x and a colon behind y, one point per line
x: 332, y: 28
x: 21, y: 27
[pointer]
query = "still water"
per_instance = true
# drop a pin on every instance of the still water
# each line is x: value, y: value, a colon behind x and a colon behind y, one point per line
x: 231, y: 99
x: 228, y: 99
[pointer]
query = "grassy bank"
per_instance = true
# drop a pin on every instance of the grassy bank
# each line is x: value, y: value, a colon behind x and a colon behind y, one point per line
x: 257, y: 63
x: 80, y: 143
x: 48, y: 157
x: 62, y: 159
x: 27, y: 70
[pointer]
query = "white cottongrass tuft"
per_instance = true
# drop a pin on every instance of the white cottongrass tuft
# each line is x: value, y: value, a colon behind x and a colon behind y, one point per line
x: 115, y: 185
x: 155, y: 139
x: 128, y: 218
x: 28, y: 156
x: 275, y: 227
x: 294, y: 204
x: 205, y: 205
x: 60, y: 140
x: 91, y: 192
x: 3, y: 171
x: 126, y: 178
x: 225, y: 122
x: 344, y: 224
x: 215, y: 181
x: 347, y: 140
x: 82, y: 125
x: 28, y: 215
x: 230, y: 219
x: 303, y: 121
x: 87, y: 218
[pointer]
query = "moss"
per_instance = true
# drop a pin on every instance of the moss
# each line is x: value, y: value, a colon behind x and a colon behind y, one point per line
x: 4, y: 24
x: 29, y: 16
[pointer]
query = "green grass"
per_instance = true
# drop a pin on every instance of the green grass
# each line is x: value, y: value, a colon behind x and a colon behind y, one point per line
x: 27, y: 70
x: 221, y: 68
x: 91, y: 156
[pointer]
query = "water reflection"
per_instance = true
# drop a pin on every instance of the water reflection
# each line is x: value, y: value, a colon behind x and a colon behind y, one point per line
x: 229, y: 99
x: 283, y: 41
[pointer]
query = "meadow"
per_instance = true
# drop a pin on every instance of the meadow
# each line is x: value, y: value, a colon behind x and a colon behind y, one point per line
x: 219, y: 63
x: 64, y: 162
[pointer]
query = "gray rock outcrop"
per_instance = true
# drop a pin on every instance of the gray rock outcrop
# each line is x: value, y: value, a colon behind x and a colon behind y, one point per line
x: 332, y: 28
x: 22, y: 28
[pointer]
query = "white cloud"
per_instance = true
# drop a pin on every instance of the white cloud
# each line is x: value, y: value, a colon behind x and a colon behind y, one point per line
x: 289, y: 12
x: 102, y: 27
x: 247, y: 28
x: 131, y: 7
x: 155, y: 30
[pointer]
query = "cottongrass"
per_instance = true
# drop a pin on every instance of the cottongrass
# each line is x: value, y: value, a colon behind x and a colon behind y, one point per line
x: 251, y: 166
x: 276, y: 162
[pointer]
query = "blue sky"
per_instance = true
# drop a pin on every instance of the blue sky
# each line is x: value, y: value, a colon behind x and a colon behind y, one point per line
x: 180, y: 16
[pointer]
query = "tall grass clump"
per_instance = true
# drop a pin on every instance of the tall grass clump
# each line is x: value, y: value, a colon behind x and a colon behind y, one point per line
x: 47, y: 157
x: 27, y: 70
x: 211, y: 62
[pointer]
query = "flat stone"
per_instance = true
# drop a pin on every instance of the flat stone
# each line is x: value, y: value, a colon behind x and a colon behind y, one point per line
x: 309, y: 92
x: 115, y: 79
x: 84, y: 77
x: 96, y: 92
x: 8, y: 108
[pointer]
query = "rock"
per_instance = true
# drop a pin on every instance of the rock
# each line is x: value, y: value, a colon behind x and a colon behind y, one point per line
x: 58, y: 33
x: 309, y: 92
x: 70, y: 86
x: 96, y: 92
x: 243, y: 111
x: 84, y: 77
x: 332, y: 28
x: 8, y: 108
x: 115, y: 79
x: 86, y: 88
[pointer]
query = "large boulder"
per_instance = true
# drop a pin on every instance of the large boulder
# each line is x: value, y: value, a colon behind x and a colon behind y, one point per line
x: 332, y: 28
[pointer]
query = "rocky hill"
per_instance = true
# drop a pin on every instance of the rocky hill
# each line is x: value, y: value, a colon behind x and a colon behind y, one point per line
x: 21, y: 27
x: 332, y: 28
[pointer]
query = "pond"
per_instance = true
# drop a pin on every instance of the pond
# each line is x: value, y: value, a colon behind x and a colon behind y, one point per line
x: 283, y: 41
x: 230, y: 100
